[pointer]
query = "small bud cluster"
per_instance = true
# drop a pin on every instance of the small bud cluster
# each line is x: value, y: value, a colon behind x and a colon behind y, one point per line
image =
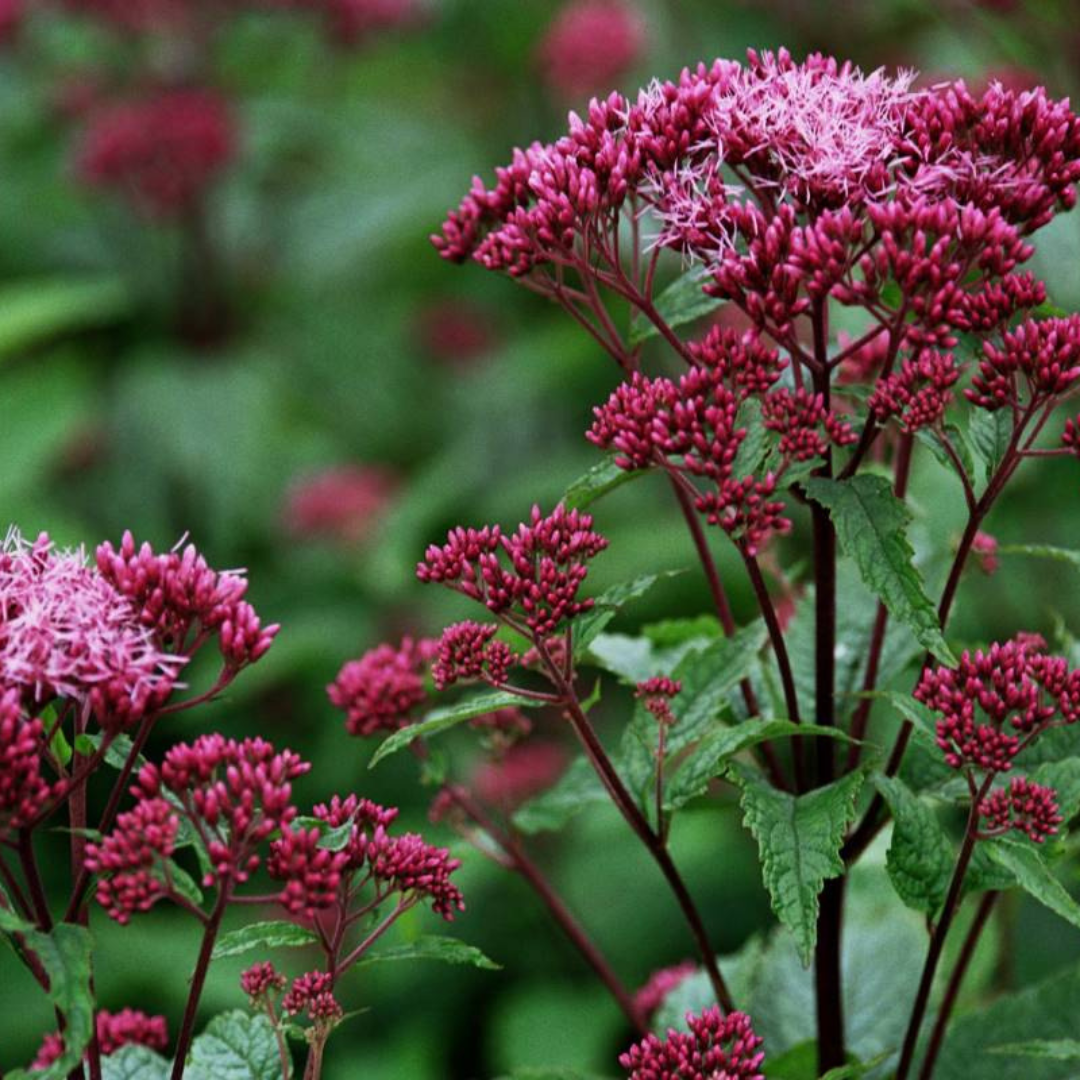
x: 313, y: 995
x: 1016, y: 686
x: 657, y: 693
x: 114, y: 1030
x: 261, y: 980
x: 1039, y: 356
x: 919, y: 393
x: 1024, y: 806
x: 541, y: 568
x: 985, y: 549
x: 715, y: 1046
x: 23, y: 790
x: 179, y: 597
x: 468, y: 652
x: 380, y: 691
x: 805, y: 425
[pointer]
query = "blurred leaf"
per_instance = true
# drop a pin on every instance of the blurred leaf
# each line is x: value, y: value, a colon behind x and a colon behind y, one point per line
x: 921, y: 860
x: 798, y: 1063
x: 855, y: 1070
x: 578, y: 788
x: 235, y: 1046
x: 990, y: 435
x: 635, y: 659
x: 1035, y: 877
x: 1056, y: 1049
x: 273, y: 934
x: 134, y: 1062
x: 799, y: 838
x: 931, y: 439
x: 1043, y: 551
x: 440, y: 720
x: 681, y: 302
x: 603, y: 477
x: 65, y: 955
x: 706, y: 760
x: 433, y: 947
x: 32, y: 312
x: 871, y: 525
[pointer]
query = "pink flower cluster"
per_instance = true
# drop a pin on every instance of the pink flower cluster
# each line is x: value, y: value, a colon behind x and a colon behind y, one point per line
x: 313, y: 994
x: 344, y: 504
x: 660, y: 984
x: 260, y: 980
x: 318, y: 878
x: 918, y: 394
x: 1036, y: 363
x: 1017, y: 688
x: 114, y: 1030
x: 162, y: 151
x: 380, y: 690
x: 657, y: 693
x: 24, y: 792
x: 534, y: 574
x: 716, y: 1046
x: 467, y: 652
x: 1024, y: 806
x: 183, y: 601
x: 67, y: 631
x: 589, y: 45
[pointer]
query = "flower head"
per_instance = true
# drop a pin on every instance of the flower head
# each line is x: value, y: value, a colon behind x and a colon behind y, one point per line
x: 589, y: 45
x: 1024, y: 806
x: 1039, y: 356
x: 416, y: 869
x: 114, y: 1030
x: 467, y: 651
x: 24, y: 792
x: 261, y: 979
x: 716, y: 1047
x: 657, y: 693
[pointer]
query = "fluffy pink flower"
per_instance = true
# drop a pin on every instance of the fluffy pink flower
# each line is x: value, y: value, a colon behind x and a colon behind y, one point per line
x: 66, y: 631
x: 716, y: 1047
x: 590, y: 45
x: 381, y: 690
x: 660, y: 984
x: 162, y: 152
x: 114, y: 1030
x: 345, y: 504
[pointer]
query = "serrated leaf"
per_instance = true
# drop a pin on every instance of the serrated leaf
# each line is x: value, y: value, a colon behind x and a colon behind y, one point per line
x: 799, y: 839
x: 681, y: 302
x: 235, y: 1046
x: 273, y: 934
x: 65, y: 954
x: 706, y: 760
x: 920, y: 860
x: 449, y: 716
x: 1043, y: 551
x: 1055, y: 1049
x: 754, y: 448
x: 871, y: 524
x: 433, y: 947
x: 605, y: 476
x: 577, y: 788
x: 1035, y: 877
x: 990, y: 435
x: 134, y: 1062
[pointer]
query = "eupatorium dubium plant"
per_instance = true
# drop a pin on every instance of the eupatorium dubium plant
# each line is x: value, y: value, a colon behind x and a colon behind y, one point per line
x: 860, y: 244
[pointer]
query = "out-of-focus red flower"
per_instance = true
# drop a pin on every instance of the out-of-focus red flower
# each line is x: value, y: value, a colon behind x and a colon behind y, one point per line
x: 344, y: 503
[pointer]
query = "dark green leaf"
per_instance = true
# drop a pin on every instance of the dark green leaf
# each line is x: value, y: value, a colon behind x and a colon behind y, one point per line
x: 433, y: 947
x: 799, y: 838
x: 1035, y: 877
x: 991, y: 433
x: 681, y: 302
x: 871, y: 524
x: 263, y: 935
x: 603, y: 477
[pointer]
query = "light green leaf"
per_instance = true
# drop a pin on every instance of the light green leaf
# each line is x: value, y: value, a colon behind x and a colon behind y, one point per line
x: 681, y: 302
x: 871, y: 524
x: 603, y: 477
x: 273, y: 934
x: 990, y: 434
x: 1035, y: 877
x: 706, y: 760
x: 33, y: 312
x: 577, y: 788
x: 920, y: 860
x: 1043, y: 551
x: 235, y: 1046
x: 134, y: 1062
x: 447, y: 717
x: 799, y: 838
x: 1055, y: 1049
x: 433, y: 947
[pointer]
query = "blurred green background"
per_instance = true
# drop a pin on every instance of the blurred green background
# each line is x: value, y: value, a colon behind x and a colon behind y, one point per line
x: 454, y: 397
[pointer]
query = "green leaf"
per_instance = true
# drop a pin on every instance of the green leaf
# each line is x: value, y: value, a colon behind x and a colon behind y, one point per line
x: 755, y: 447
x: 855, y: 1070
x: 1055, y: 1049
x: 59, y: 747
x: 991, y: 433
x: 1035, y: 877
x: 447, y: 717
x: 35, y: 312
x: 65, y: 954
x: 133, y: 1062
x: 434, y: 947
x: 798, y: 1063
x: 182, y: 881
x: 607, y: 604
x: 235, y: 1046
x: 681, y: 302
x: 871, y: 524
x: 329, y: 839
x: 920, y: 861
x: 799, y: 838
x: 603, y: 477
x: 1043, y: 551
x: 273, y: 934
x: 706, y: 760
x: 577, y: 788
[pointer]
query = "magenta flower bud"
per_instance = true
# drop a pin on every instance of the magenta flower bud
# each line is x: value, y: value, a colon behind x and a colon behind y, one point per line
x: 1024, y: 806
x: 260, y: 980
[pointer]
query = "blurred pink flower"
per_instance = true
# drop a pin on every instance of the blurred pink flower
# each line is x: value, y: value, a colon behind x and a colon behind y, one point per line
x: 355, y: 22
x: 590, y: 45
x: 454, y: 333
x: 11, y: 16
x: 524, y: 771
x: 344, y: 503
